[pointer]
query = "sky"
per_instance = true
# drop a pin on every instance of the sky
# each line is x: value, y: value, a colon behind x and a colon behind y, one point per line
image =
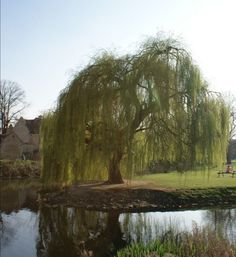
x: 44, y: 42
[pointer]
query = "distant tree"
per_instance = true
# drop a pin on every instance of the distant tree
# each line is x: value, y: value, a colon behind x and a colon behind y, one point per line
x: 12, y: 103
x: 119, y: 113
x: 231, y: 101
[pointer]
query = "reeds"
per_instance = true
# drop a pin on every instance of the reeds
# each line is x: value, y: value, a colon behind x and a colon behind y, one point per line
x: 200, y: 242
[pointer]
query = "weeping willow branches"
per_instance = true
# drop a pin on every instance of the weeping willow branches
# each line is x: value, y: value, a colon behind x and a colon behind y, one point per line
x: 121, y: 112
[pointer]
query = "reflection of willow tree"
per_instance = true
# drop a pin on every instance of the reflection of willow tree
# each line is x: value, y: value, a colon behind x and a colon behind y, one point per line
x: 138, y: 227
x: 143, y: 227
x: 223, y: 221
x: 122, y: 112
x: 68, y: 231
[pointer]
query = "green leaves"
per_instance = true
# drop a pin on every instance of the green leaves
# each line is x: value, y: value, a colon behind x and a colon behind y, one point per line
x: 152, y: 104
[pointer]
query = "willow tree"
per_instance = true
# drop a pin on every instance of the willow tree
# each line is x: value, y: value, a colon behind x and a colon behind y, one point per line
x: 118, y: 113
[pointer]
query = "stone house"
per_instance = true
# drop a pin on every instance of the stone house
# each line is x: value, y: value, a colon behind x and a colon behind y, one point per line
x: 21, y: 141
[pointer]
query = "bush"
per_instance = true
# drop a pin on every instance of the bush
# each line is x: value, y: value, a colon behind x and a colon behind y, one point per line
x: 19, y: 168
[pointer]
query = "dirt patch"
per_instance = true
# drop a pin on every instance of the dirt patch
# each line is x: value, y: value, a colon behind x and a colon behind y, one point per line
x: 137, y: 197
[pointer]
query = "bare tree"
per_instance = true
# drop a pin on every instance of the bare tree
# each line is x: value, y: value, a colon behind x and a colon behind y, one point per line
x: 12, y: 103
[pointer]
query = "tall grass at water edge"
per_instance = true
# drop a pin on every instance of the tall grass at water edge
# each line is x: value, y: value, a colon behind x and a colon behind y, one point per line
x: 201, y: 242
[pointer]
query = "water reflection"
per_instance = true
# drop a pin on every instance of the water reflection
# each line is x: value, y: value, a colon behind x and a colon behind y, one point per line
x: 143, y: 227
x: 19, y: 217
x: 70, y: 231
x: 19, y: 234
x: 29, y: 230
x: 222, y: 221
x: 18, y: 194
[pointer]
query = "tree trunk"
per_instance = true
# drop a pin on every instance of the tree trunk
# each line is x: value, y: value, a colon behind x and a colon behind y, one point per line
x: 114, y: 232
x: 114, y: 175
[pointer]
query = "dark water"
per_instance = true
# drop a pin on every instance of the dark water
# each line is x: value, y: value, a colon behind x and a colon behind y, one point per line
x: 29, y: 230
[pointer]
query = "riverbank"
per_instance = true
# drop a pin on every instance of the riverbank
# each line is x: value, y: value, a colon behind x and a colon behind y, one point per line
x: 137, y: 196
x: 19, y: 169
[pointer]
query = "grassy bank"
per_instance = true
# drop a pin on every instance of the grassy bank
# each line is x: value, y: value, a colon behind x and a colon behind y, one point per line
x: 190, y: 179
x: 198, y: 243
x: 166, y: 191
x: 19, y: 169
x: 138, y: 197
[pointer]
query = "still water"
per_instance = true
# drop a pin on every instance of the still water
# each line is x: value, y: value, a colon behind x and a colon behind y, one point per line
x: 30, y: 230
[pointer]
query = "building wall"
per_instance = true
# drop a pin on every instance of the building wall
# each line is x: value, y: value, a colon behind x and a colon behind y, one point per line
x: 22, y: 131
x: 19, y: 143
x: 34, y: 139
x: 11, y: 148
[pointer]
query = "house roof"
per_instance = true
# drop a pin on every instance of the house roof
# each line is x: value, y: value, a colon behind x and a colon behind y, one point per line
x: 33, y: 125
x: 10, y: 133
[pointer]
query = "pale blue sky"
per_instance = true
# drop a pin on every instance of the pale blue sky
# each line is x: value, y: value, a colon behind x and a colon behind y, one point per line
x: 43, y: 42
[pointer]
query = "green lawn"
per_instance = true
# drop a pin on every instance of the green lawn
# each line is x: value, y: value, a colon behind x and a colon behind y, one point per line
x: 191, y: 179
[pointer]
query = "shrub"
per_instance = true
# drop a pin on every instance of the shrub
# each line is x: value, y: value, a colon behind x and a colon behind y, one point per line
x: 19, y: 168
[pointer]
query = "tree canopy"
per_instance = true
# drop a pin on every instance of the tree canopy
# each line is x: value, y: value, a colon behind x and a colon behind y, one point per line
x: 120, y: 112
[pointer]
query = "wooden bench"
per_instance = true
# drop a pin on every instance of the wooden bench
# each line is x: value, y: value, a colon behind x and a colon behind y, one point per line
x: 233, y: 172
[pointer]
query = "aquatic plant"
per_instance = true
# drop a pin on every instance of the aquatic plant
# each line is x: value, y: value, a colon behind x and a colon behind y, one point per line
x: 201, y: 242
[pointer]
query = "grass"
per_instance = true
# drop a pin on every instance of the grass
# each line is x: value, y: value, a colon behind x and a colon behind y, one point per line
x: 190, y: 179
x: 198, y: 243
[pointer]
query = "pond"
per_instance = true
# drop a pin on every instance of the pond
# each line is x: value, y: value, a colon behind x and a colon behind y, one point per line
x: 29, y: 230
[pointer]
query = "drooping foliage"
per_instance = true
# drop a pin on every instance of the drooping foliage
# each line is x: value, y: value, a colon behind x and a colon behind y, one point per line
x: 121, y: 112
